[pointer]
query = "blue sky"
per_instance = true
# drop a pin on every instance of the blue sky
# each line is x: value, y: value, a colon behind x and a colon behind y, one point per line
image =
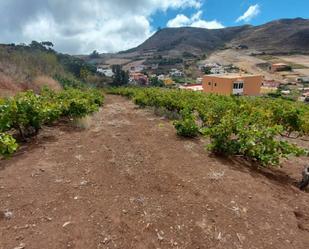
x: 81, y: 26
x: 228, y: 11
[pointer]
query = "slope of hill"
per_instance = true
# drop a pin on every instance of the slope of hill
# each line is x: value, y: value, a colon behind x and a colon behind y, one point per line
x: 194, y: 40
x: 31, y: 66
x: 281, y: 36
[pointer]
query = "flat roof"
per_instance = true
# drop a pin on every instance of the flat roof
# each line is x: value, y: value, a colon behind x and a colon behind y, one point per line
x: 233, y: 76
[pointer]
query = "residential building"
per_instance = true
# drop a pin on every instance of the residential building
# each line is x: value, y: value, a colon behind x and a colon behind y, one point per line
x: 176, y: 73
x: 139, y: 79
x: 208, y: 65
x: 138, y: 68
x: 271, y: 83
x: 278, y: 67
x: 217, y: 70
x: 161, y: 77
x: 233, y: 84
x: 199, y: 81
x: 106, y: 71
x: 304, y: 79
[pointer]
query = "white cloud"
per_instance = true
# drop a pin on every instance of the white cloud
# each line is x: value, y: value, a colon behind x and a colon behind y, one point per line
x: 179, y: 21
x: 79, y: 26
x: 252, y: 12
x: 194, y: 21
x: 207, y: 24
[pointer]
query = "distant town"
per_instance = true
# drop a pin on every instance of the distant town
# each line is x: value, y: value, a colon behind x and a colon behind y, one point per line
x: 279, y: 79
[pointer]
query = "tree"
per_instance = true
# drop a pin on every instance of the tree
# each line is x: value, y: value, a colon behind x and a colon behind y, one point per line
x: 120, y: 77
x: 84, y: 73
x: 47, y: 44
x: 207, y: 70
x: 154, y: 81
x: 37, y: 45
x: 94, y: 55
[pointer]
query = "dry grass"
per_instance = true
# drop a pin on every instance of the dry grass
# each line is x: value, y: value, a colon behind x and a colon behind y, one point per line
x: 7, y: 86
x: 43, y: 80
x: 83, y: 123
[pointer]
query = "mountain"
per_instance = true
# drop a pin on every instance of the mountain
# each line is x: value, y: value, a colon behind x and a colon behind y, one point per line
x: 281, y: 36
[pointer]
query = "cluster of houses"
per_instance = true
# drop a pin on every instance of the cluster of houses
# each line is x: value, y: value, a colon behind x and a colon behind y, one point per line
x: 137, y: 75
x: 224, y: 80
x: 216, y: 68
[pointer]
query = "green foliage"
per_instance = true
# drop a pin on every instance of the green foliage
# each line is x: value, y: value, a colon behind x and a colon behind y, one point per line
x: 27, y: 112
x: 245, y: 126
x: 75, y: 65
x: 245, y: 135
x: 84, y: 73
x: 76, y: 103
x: 187, y: 126
x: 70, y: 82
x: 154, y: 81
x: 8, y: 145
x: 207, y: 70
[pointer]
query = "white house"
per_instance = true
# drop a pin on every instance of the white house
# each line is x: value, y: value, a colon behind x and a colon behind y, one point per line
x: 106, y: 71
x: 217, y: 70
x: 161, y: 77
x: 138, y: 68
x: 176, y: 73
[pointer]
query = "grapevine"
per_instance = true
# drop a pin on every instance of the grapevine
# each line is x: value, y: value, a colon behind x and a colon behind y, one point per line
x: 251, y: 127
x: 27, y: 112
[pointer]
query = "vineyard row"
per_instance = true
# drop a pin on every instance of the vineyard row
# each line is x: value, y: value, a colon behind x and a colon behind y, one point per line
x: 252, y: 127
x: 24, y: 114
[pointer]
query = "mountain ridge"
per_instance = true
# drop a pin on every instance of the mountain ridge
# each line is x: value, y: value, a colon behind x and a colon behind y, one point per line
x: 278, y: 36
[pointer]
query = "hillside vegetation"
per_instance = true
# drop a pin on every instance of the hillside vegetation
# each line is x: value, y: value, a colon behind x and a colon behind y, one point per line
x: 24, y: 67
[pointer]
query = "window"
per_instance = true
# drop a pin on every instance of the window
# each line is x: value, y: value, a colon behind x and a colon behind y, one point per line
x: 238, y: 85
x: 209, y: 83
x: 215, y: 84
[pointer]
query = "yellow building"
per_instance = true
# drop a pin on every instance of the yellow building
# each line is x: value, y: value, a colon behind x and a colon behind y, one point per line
x: 233, y: 84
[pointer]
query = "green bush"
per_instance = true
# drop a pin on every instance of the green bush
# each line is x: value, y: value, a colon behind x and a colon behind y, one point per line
x: 27, y: 111
x: 187, y: 126
x: 8, y: 145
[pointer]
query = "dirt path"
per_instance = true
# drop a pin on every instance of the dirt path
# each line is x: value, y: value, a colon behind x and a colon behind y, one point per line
x: 130, y: 182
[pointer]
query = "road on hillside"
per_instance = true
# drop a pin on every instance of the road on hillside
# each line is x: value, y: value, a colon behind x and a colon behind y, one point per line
x: 128, y: 181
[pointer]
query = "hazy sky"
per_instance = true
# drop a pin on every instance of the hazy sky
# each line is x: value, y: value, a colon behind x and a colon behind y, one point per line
x: 80, y: 26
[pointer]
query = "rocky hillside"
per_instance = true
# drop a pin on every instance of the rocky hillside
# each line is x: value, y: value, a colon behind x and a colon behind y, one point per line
x: 281, y: 36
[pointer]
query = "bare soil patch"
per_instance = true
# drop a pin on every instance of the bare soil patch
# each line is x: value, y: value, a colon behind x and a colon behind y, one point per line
x: 129, y: 182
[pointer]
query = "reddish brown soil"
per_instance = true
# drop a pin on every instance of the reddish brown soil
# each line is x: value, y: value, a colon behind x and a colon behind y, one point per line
x: 129, y: 182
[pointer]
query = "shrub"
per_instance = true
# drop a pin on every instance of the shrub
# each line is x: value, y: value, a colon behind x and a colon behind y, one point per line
x: 187, y: 126
x: 8, y: 144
